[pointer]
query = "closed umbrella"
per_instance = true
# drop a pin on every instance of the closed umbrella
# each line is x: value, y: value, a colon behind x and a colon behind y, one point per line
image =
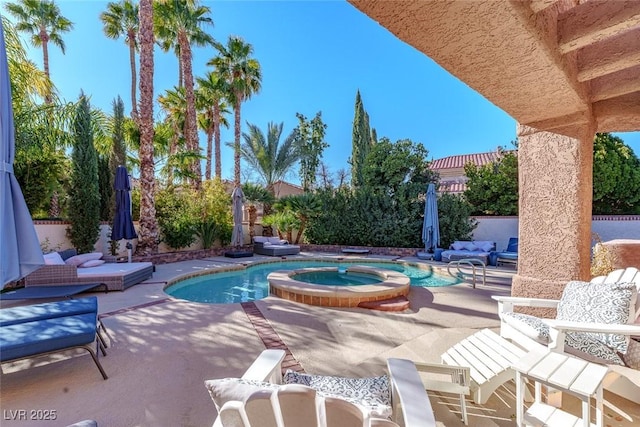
x: 431, y: 227
x: 237, y: 200
x: 20, y: 252
x: 122, y: 221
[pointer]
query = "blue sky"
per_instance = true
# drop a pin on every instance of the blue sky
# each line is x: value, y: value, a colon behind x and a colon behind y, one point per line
x: 314, y: 55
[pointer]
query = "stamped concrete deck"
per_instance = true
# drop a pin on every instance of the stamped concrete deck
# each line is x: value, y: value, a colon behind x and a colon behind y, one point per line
x: 162, y: 350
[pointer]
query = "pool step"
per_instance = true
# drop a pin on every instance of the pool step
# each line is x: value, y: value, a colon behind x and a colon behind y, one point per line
x: 400, y: 303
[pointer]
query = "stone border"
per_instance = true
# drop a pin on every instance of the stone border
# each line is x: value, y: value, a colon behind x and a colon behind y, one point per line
x: 283, y: 285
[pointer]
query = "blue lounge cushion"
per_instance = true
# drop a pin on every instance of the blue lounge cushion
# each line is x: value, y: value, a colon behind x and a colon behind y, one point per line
x: 47, y: 310
x: 33, y: 338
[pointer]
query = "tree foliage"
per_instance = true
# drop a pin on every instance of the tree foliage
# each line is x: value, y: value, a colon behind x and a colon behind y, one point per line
x: 616, y: 177
x: 454, y: 216
x: 84, y: 195
x: 360, y: 142
x: 310, y: 144
x: 492, y: 189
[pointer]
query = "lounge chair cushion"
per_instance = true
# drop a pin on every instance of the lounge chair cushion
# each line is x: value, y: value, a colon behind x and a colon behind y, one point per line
x: 374, y: 393
x: 458, y: 246
x: 531, y: 326
x: 234, y: 389
x: 92, y: 263
x: 53, y: 258
x: 82, y: 258
x: 599, y: 303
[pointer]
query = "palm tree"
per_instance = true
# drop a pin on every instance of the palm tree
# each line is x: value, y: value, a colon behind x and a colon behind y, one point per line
x: 173, y: 103
x: 182, y: 20
x: 41, y: 19
x: 243, y: 73
x: 304, y: 206
x: 121, y: 19
x: 210, y: 99
x: 254, y: 194
x: 264, y: 154
x: 149, y: 235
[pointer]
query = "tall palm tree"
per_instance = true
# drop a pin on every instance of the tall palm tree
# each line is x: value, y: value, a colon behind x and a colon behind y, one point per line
x: 243, y: 73
x: 210, y: 99
x: 183, y: 20
x: 41, y: 19
x: 149, y: 235
x: 121, y: 19
x: 173, y: 103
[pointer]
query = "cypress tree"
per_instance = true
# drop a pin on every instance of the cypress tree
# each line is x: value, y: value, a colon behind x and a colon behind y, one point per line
x: 118, y: 155
x: 84, y: 195
x: 361, y: 142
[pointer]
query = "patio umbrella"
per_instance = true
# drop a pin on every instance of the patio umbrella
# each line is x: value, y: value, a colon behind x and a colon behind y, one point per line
x: 20, y: 252
x: 430, y: 226
x: 237, y: 200
x: 122, y: 220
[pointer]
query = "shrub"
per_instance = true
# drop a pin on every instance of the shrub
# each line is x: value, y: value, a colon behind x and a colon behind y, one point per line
x: 176, y: 217
x: 454, y: 215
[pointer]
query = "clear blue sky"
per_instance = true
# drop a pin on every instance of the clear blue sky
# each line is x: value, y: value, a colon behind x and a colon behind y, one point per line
x: 314, y: 56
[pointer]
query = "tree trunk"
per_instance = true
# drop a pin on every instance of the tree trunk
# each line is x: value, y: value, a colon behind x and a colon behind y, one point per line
x: 132, y: 61
x: 236, y: 143
x: 44, y: 38
x: 253, y: 216
x: 190, y: 123
x: 207, y: 172
x: 216, y: 131
x: 149, y: 235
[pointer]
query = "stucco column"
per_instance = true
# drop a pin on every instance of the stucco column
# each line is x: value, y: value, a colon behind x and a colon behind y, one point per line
x: 555, y: 186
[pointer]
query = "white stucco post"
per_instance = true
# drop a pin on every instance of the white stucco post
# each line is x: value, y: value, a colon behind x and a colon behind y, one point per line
x: 555, y: 187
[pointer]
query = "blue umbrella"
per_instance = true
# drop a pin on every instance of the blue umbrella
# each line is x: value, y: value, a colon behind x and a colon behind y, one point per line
x: 430, y: 226
x: 20, y: 251
x: 122, y: 221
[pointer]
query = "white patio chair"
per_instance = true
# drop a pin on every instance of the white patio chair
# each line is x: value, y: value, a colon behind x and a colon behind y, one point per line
x: 530, y: 332
x: 259, y: 400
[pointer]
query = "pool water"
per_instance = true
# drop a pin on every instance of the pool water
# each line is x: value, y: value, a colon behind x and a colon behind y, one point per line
x: 336, y: 278
x: 251, y: 283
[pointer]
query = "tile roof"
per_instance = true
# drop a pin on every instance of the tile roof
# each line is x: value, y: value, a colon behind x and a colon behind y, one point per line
x: 452, y: 187
x: 479, y: 159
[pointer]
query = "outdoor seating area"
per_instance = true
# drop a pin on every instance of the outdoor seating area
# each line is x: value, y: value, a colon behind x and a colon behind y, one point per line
x: 477, y: 249
x: 63, y: 270
x: 273, y: 246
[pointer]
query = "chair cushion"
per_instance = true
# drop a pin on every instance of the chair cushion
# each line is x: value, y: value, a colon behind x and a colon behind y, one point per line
x: 82, y: 258
x: 373, y: 393
x: 531, y: 326
x: 458, y: 246
x: 585, y: 346
x: 599, y: 303
x: 92, y: 263
x: 53, y: 258
x: 632, y: 357
x: 234, y: 389
x: 260, y: 239
x: 47, y: 310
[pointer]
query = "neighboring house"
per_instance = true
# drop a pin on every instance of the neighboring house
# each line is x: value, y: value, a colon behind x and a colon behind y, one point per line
x: 451, y: 169
x: 283, y: 188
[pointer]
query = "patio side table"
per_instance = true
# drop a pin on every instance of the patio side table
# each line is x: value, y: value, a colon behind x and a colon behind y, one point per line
x: 565, y: 373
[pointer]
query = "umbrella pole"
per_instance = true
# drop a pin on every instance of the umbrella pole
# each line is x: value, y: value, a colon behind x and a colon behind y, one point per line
x: 129, y: 250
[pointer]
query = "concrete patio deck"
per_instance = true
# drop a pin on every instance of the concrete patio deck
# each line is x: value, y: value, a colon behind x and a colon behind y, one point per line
x: 163, y: 349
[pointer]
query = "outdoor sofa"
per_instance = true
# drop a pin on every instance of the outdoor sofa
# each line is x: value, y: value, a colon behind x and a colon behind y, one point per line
x: 115, y: 276
x: 273, y: 246
x: 465, y: 249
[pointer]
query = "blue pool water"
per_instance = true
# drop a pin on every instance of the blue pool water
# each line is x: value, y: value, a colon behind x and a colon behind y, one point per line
x: 251, y: 283
x: 336, y: 278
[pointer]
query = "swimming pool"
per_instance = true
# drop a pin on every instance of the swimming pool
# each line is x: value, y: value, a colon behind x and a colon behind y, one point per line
x: 250, y: 283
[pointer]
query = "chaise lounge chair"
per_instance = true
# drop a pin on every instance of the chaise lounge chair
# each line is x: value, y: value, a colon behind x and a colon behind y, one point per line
x: 273, y: 246
x: 258, y: 399
x: 508, y: 256
x: 115, y: 276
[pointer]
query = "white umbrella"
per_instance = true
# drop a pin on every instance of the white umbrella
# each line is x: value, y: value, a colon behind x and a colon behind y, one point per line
x: 20, y: 251
x: 237, y: 200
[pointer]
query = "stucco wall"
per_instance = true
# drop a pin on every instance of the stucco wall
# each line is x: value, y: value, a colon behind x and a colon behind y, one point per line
x: 609, y: 227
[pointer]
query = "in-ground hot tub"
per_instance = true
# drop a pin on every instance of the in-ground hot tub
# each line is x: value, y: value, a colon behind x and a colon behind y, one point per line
x: 294, y: 285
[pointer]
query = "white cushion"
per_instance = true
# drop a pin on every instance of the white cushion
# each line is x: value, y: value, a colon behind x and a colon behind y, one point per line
x: 609, y: 303
x: 485, y: 246
x: 471, y: 247
x: 53, y: 258
x: 238, y: 389
x: 374, y: 393
x: 82, y: 258
x: 260, y: 239
x: 531, y: 326
x: 92, y: 263
x: 458, y: 246
x: 276, y: 241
